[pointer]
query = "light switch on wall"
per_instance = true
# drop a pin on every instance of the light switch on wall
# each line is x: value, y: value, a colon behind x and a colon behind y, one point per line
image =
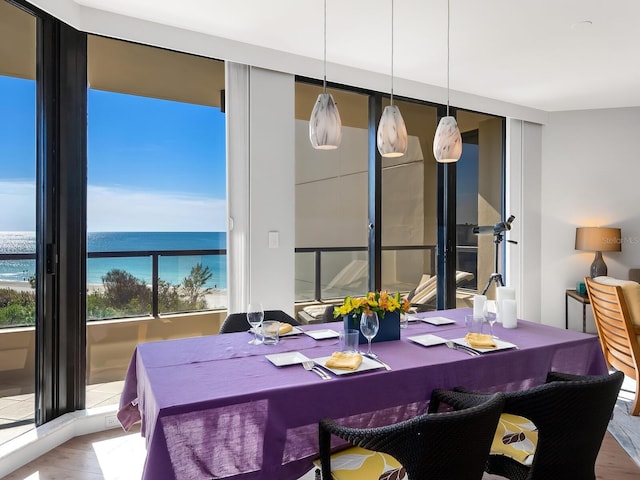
x: 274, y: 239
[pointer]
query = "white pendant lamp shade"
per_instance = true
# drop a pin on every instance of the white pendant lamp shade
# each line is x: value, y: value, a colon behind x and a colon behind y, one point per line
x: 392, y: 133
x: 325, y: 126
x: 447, y: 142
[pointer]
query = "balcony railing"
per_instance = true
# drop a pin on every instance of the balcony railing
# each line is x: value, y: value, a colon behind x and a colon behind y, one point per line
x: 317, y: 252
x: 320, y: 253
x: 154, y: 255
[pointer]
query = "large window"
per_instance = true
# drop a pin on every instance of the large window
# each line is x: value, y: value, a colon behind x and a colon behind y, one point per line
x: 17, y: 219
x: 480, y: 194
x: 156, y: 198
x: 409, y: 227
x: 331, y: 201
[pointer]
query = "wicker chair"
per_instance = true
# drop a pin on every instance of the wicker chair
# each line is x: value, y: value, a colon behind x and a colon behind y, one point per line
x: 571, y: 413
x: 237, y: 322
x: 619, y: 337
x: 452, y: 445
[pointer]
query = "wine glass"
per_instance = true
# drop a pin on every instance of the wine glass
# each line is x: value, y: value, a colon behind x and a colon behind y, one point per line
x: 255, y: 316
x: 491, y: 314
x: 369, y: 327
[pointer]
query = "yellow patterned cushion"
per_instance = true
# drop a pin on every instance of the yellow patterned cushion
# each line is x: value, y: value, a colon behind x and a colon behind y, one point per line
x: 357, y: 463
x: 516, y: 437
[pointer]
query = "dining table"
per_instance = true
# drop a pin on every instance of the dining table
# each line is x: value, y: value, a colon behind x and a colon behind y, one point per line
x: 216, y: 407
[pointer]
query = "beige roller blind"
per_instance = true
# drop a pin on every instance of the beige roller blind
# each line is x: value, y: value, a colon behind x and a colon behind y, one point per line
x: 17, y: 42
x: 130, y: 68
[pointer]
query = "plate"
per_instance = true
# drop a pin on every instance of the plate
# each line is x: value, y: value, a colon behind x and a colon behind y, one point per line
x: 322, y: 334
x: 427, y: 340
x: 294, y: 331
x: 367, y: 364
x: 412, y: 318
x: 501, y: 345
x: 286, y: 358
x: 438, y: 320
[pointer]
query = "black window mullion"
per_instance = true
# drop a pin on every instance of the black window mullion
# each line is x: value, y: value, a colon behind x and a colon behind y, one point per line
x: 61, y: 224
x: 446, y: 218
x: 375, y: 196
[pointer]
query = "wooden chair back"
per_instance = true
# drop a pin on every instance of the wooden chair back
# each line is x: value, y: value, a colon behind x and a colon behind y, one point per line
x: 618, y: 334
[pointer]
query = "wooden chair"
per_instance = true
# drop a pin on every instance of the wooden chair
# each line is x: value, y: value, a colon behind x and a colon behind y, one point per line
x: 618, y: 334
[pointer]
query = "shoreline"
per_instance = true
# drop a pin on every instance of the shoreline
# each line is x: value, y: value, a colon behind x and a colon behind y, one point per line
x: 216, y: 298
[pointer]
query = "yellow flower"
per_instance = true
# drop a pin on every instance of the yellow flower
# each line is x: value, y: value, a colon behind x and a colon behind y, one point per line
x: 379, y: 302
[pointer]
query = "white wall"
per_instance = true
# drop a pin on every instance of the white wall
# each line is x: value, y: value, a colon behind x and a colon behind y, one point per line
x: 590, y: 177
x: 271, y: 188
x: 260, y: 184
x: 523, y: 174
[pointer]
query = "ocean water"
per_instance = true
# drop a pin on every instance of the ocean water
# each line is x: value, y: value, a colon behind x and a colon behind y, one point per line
x: 171, y: 268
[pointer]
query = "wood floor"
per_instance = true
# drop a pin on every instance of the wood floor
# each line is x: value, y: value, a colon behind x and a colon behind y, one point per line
x: 115, y: 455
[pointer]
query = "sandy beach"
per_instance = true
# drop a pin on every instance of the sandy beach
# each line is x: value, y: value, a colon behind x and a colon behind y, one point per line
x: 216, y: 298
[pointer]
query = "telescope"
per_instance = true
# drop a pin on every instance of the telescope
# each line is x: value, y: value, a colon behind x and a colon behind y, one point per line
x: 496, y: 229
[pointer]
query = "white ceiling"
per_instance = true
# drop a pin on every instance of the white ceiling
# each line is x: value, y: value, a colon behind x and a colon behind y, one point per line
x: 534, y: 53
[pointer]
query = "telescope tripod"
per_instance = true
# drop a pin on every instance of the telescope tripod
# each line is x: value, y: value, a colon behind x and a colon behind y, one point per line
x: 495, y: 276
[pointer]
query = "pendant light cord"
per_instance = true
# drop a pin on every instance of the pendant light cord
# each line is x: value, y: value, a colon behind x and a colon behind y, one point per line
x: 324, y: 81
x: 448, y: 49
x: 392, y: 9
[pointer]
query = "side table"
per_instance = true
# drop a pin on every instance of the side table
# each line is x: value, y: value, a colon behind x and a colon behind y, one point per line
x: 584, y: 300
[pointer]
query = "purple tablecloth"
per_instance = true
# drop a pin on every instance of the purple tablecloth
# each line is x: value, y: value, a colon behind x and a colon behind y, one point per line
x: 215, y: 407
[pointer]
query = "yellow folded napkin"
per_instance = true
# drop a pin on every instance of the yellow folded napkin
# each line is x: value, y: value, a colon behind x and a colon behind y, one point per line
x: 480, y: 340
x: 344, y: 361
x: 285, y: 328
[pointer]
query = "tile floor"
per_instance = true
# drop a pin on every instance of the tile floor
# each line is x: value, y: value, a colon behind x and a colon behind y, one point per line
x: 17, y: 411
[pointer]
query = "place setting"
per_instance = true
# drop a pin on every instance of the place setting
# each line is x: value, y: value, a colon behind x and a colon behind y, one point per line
x: 350, y: 360
x: 437, y: 321
x: 268, y: 332
x: 476, y: 341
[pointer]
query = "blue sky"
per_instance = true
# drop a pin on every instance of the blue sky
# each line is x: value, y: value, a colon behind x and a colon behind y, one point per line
x: 153, y: 165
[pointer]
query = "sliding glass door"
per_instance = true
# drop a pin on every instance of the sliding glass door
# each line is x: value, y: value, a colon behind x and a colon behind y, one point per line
x: 18, y: 90
x: 156, y: 203
x: 334, y: 193
x: 331, y: 201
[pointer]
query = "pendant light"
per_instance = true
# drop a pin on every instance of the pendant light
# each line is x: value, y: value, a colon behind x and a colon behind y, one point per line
x: 447, y: 142
x: 325, y: 126
x: 392, y: 132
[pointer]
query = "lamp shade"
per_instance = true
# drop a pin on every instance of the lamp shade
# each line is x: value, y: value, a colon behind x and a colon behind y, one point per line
x: 598, y: 239
x: 325, y: 126
x: 392, y: 133
x: 447, y: 142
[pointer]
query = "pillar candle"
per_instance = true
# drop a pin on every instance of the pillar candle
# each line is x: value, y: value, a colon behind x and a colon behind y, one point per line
x: 478, y: 305
x: 503, y: 293
x: 509, y: 313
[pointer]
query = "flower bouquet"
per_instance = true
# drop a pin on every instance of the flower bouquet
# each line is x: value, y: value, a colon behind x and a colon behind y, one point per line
x: 387, y: 305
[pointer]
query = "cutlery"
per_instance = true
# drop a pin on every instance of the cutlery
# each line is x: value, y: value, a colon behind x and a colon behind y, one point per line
x: 373, y: 356
x: 311, y: 367
x: 462, y: 348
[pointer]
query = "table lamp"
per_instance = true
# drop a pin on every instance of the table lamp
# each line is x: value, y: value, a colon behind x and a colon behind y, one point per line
x: 597, y: 239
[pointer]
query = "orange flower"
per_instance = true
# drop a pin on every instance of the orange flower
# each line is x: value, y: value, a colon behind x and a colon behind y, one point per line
x: 379, y: 302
